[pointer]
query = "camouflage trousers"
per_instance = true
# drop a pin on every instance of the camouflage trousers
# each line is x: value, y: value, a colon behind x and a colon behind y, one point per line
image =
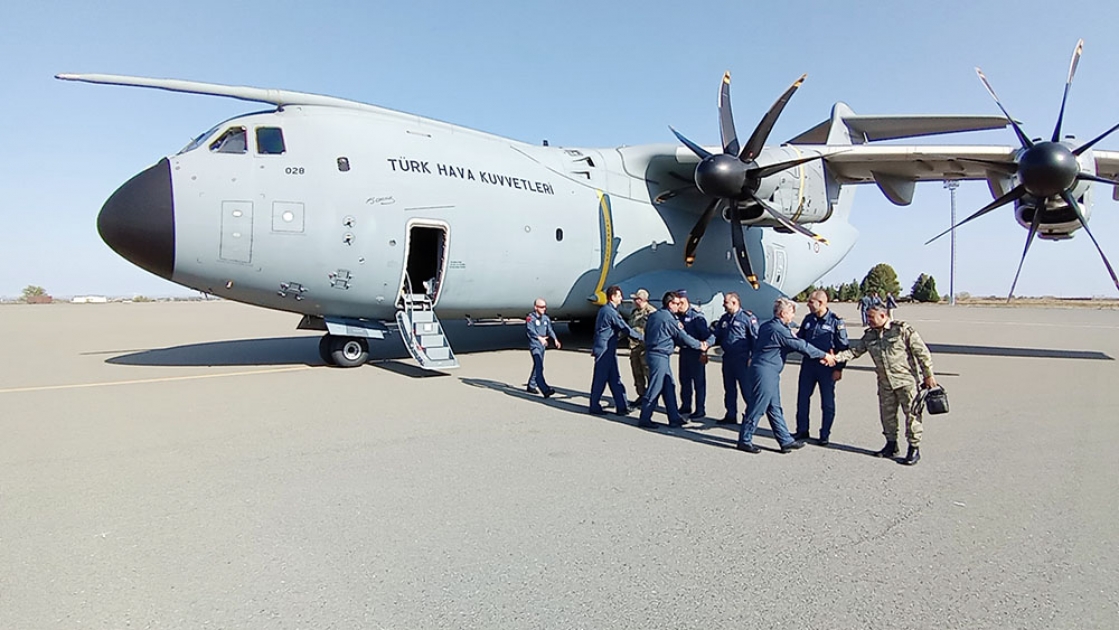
x: 890, y: 400
x: 640, y: 369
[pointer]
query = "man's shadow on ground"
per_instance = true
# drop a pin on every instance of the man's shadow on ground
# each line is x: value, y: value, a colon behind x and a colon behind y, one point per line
x: 703, y: 431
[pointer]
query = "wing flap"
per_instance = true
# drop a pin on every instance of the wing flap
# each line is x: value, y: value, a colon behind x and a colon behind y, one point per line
x: 874, y: 128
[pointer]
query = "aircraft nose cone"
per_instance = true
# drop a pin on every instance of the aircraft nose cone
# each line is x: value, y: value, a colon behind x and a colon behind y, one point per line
x: 138, y: 220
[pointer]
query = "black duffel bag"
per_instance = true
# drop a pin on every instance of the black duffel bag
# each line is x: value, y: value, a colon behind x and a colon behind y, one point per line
x: 934, y: 400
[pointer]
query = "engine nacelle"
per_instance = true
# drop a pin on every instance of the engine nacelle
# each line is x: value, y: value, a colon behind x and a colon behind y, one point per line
x: 1058, y: 220
x: 798, y: 192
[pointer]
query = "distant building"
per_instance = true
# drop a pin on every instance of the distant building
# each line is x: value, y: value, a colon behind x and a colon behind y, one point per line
x: 88, y: 299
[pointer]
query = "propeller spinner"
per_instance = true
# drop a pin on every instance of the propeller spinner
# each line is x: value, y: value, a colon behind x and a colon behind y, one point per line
x: 1045, y: 170
x: 733, y: 178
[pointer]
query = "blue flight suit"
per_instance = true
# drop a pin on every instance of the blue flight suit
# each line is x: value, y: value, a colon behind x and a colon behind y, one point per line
x: 775, y: 341
x: 663, y: 331
x: 736, y: 335
x: 693, y: 371
x: 826, y: 333
x: 607, y: 325
x: 537, y: 326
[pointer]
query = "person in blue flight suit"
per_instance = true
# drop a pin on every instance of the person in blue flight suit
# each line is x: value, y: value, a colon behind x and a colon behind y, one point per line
x: 825, y: 330
x: 538, y: 327
x: 693, y: 362
x: 663, y: 332
x: 735, y: 332
x: 607, y: 326
x: 775, y: 341
x: 864, y: 306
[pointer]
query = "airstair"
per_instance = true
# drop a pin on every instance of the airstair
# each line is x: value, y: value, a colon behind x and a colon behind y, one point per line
x: 422, y: 332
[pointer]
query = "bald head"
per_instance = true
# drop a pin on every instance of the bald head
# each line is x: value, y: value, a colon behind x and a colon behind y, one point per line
x: 818, y: 302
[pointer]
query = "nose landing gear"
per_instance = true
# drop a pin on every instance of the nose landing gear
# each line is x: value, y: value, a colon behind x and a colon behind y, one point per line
x: 343, y: 351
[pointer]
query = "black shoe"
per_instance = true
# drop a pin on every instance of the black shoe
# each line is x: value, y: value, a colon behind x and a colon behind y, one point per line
x: 727, y: 420
x: 637, y: 402
x: 747, y: 447
x: 676, y: 424
x: 823, y: 441
x: 623, y: 412
x: 697, y: 415
x: 532, y: 390
x: 800, y: 435
x: 549, y: 393
x: 889, y: 450
x: 597, y: 412
x: 912, y: 457
x: 648, y: 425
x: 791, y: 446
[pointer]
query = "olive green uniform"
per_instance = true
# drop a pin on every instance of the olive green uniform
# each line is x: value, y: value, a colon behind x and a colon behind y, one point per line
x: 902, y: 361
x: 637, y: 363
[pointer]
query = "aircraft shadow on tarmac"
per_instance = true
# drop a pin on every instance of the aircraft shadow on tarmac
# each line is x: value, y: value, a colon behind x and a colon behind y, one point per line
x: 704, y: 431
x: 303, y: 349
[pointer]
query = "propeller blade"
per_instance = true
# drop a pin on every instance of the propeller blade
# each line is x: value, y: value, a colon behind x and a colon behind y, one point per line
x: 1068, y: 84
x: 726, y: 119
x: 761, y: 133
x: 789, y: 223
x: 741, y: 254
x: 1029, y: 241
x: 699, y: 230
x: 698, y: 150
x: 1071, y: 201
x: 1096, y: 178
x: 1018, y: 130
x: 1015, y: 193
x: 1088, y: 145
x: 765, y: 171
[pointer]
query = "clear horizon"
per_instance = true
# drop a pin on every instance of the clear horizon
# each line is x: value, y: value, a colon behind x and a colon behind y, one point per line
x: 547, y: 72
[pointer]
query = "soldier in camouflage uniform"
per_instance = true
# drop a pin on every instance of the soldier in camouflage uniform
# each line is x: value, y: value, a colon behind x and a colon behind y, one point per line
x: 900, y: 358
x: 637, y: 317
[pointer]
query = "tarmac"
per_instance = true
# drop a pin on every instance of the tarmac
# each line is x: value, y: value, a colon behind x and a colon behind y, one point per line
x: 194, y: 465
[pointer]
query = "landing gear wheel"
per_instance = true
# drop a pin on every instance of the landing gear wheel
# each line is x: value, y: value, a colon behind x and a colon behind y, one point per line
x: 348, y: 351
x: 324, y: 350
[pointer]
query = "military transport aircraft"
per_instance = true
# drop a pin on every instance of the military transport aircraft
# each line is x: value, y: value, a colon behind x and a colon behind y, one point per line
x: 355, y: 216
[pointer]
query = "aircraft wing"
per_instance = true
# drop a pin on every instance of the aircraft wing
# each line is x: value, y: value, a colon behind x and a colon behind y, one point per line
x: 870, y: 163
x: 1107, y: 164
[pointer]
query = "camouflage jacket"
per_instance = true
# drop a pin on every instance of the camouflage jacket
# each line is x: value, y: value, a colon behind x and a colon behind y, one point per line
x: 637, y: 319
x: 900, y: 356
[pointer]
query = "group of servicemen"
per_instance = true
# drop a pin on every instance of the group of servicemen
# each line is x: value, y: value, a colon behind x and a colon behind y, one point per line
x: 753, y: 357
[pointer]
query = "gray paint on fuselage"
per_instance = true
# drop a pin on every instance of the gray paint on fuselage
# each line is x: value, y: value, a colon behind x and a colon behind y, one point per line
x: 502, y: 200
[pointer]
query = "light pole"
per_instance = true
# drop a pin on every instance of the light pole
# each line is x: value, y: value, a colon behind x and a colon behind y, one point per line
x: 952, y: 185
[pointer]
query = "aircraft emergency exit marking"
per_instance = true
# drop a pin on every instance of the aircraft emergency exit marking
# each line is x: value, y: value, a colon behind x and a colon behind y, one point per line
x: 459, y: 172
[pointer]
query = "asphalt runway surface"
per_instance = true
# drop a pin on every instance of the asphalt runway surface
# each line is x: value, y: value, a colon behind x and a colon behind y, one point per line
x: 194, y: 465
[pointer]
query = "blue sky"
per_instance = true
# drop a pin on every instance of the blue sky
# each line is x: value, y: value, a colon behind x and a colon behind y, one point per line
x: 577, y: 73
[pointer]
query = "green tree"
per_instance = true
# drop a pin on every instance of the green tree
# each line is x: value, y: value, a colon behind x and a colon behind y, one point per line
x: 803, y: 295
x: 881, y: 278
x: 32, y: 291
x: 924, y: 289
x: 849, y: 292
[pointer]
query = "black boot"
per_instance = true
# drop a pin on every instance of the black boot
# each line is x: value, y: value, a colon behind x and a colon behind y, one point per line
x: 889, y: 450
x: 913, y: 456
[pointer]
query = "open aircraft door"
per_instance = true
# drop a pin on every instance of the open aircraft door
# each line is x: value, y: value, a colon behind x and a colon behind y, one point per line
x: 425, y: 264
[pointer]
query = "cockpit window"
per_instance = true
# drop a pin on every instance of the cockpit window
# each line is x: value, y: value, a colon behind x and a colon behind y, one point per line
x: 232, y: 141
x: 269, y: 140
